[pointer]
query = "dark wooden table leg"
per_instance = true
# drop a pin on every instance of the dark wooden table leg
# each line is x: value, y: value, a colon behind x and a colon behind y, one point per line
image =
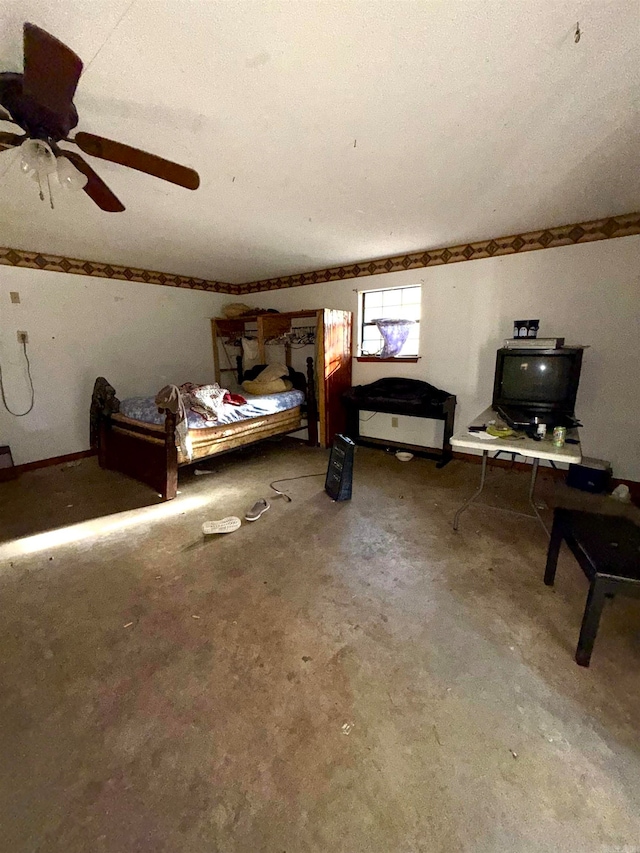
x: 557, y: 533
x: 353, y: 422
x: 449, y: 408
x: 590, y: 622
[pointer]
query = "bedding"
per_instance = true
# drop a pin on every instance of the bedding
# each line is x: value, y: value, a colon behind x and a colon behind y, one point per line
x: 297, y: 379
x: 276, y: 386
x: 144, y: 409
x: 271, y: 372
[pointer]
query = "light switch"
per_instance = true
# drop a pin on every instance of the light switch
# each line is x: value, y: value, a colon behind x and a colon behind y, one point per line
x: 15, y: 297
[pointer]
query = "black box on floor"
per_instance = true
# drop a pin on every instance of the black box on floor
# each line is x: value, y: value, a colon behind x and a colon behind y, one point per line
x: 340, y: 470
x: 591, y: 475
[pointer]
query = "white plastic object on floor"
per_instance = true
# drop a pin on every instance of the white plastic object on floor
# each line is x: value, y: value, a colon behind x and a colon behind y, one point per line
x: 225, y: 525
x: 404, y: 455
x: 621, y: 493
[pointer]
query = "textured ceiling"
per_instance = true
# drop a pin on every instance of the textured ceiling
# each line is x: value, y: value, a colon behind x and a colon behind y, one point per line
x: 327, y: 132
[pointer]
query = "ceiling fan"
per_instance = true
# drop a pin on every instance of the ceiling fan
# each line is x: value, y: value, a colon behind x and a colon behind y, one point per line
x: 40, y: 101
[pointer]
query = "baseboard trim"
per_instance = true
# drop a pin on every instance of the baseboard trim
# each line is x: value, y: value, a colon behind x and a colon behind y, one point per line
x: 554, y: 473
x: 53, y: 460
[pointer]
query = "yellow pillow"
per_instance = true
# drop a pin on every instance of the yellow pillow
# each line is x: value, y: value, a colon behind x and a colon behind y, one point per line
x: 276, y: 386
x: 273, y: 371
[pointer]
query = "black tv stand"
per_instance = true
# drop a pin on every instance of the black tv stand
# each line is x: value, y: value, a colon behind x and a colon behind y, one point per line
x: 400, y: 396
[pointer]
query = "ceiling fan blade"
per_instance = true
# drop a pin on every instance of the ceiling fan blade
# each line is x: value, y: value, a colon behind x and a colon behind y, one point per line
x: 51, y: 70
x: 116, y: 152
x: 96, y: 188
x: 4, y: 116
x: 11, y: 139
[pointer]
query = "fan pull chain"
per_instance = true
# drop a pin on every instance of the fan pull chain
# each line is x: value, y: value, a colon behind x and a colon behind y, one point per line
x: 50, y: 193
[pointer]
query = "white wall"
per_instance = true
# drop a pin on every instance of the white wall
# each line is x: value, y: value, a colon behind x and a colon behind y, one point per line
x: 142, y: 336
x: 139, y: 336
x: 589, y: 294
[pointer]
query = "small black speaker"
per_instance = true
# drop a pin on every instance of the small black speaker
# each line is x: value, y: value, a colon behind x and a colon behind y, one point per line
x: 340, y: 470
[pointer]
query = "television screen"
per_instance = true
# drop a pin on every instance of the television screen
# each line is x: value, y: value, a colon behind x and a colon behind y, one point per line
x: 536, y: 378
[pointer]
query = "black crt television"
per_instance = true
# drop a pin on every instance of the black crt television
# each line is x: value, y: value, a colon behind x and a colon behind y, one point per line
x: 537, y: 382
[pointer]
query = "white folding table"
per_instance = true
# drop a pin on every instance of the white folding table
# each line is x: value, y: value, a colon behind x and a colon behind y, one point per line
x: 528, y: 447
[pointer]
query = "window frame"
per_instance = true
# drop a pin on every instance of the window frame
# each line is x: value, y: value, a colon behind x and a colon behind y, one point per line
x: 362, y: 325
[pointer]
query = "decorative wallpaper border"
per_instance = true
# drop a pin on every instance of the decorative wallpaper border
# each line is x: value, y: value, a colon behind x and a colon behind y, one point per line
x: 97, y: 269
x: 624, y: 225
x: 548, y: 238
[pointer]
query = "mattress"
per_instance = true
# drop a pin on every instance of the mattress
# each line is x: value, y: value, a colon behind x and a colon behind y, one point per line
x: 144, y: 409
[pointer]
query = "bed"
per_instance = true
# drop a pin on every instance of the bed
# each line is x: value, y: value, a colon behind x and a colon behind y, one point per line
x: 137, y: 438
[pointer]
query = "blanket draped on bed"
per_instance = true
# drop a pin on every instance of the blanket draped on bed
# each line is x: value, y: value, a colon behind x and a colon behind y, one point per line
x: 170, y: 398
x: 207, y: 401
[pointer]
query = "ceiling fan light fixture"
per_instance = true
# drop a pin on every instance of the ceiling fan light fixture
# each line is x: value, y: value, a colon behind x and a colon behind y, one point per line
x: 39, y: 163
x: 40, y: 101
x: 37, y: 157
x: 69, y: 177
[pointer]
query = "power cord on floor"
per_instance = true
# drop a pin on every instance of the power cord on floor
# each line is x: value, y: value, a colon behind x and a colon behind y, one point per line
x: 288, y: 480
x: 33, y: 393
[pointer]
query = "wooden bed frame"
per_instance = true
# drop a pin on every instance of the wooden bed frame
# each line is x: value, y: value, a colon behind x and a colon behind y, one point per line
x: 148, y: 452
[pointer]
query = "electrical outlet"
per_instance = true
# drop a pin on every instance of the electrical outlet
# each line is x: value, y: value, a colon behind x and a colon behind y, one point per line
x: 394, y: 422
x: 23, y: 337
x: 15, y: 297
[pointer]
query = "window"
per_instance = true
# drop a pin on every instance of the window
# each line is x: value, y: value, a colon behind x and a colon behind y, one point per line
x: 393, y: 303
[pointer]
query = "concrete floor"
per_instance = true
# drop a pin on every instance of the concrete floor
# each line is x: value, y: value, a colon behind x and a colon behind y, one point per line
x: 335, y: 677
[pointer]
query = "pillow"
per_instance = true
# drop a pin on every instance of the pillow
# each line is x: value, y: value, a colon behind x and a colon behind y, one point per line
x: 273, y: 371
x: 250, y: 352
x: 298, y: 379
x: 275, y: 386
